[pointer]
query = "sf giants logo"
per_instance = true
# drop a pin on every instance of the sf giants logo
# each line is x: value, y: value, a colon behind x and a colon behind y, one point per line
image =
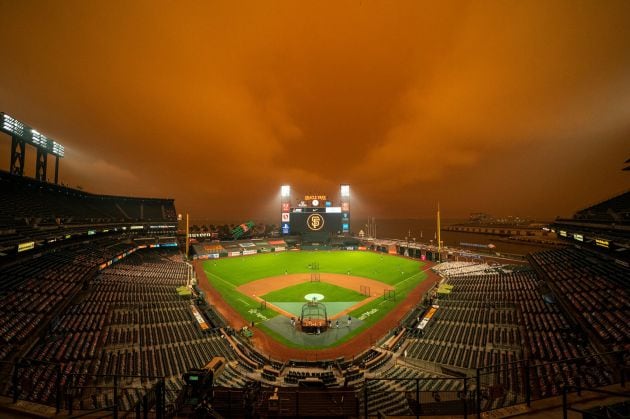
x: 315, y: 222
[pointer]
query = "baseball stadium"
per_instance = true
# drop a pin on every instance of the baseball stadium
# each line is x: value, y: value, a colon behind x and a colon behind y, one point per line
x: 112, y: 306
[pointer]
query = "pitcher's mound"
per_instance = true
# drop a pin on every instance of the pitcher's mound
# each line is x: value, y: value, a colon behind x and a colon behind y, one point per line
x: 314, y: 297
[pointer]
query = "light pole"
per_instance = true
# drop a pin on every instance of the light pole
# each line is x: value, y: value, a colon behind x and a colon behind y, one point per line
x: 374, y: 222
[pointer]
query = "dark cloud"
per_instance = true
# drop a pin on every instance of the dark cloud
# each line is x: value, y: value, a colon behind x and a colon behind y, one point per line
x: 508, y: 107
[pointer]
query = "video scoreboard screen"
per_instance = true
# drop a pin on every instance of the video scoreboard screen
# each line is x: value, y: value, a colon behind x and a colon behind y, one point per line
x: 314, y: 220
x: 318, y: 221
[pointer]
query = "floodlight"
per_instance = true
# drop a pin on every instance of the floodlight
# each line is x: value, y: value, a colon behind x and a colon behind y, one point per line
x: 18, y: 129
x: 39, y: 139
x: 58, y: 149
x: 285, y: 191
x: 12, y: 126
x: 345, y: 191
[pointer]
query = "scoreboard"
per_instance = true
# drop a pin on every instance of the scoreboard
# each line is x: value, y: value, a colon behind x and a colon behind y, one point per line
x: 315, y: 214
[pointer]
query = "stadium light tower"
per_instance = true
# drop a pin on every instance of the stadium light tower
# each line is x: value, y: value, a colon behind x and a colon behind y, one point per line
x: 285, y: 208
x: 285, y: 191
x: 345, y: 209
x: 22, y: 134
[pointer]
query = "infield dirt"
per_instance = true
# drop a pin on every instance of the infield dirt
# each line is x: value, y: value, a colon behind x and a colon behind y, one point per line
x: 266, y: 285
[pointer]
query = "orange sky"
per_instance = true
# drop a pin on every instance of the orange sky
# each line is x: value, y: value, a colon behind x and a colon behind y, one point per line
x: 510, y: 107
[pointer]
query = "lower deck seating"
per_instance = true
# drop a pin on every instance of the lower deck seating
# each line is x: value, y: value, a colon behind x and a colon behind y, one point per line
x: 130, y: 322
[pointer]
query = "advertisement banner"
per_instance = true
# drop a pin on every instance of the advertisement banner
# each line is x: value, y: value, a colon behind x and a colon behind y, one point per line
x: 427, y: 317
x: 200, y: 320
x: 26, y: 246
x: 213, y: 248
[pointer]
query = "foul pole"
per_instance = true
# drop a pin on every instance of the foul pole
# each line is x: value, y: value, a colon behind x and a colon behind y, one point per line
x: 438, y: 230
x: 187, y: 237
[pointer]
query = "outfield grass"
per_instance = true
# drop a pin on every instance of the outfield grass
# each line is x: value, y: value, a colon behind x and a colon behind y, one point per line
x: 397, y: 273
x: 383, y: 268
x: 297, y: 292
x: 245, y: 305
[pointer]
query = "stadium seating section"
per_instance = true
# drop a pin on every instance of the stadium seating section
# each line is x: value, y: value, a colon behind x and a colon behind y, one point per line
x: 39, y: 210
x: 68, y: 321
x: 595, y: 293
x: 40, y: 203
x: 128, y: 322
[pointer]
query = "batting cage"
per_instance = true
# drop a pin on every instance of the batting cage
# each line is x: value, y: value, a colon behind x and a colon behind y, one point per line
x: 314, y: 318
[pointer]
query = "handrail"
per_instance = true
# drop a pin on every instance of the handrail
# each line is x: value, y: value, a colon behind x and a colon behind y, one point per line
x: 565, y: 403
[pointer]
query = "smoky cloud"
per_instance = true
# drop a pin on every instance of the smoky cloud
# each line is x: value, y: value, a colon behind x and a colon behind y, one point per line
x: 507, y: 107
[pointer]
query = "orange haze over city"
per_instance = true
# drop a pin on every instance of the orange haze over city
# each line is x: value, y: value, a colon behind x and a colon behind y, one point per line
x: 507, y: 107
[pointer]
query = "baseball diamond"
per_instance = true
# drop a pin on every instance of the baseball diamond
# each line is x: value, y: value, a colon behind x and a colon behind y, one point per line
x: 281, y: 281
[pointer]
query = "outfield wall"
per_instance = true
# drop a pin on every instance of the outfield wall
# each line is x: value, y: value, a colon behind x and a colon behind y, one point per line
x: 272, y: 249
